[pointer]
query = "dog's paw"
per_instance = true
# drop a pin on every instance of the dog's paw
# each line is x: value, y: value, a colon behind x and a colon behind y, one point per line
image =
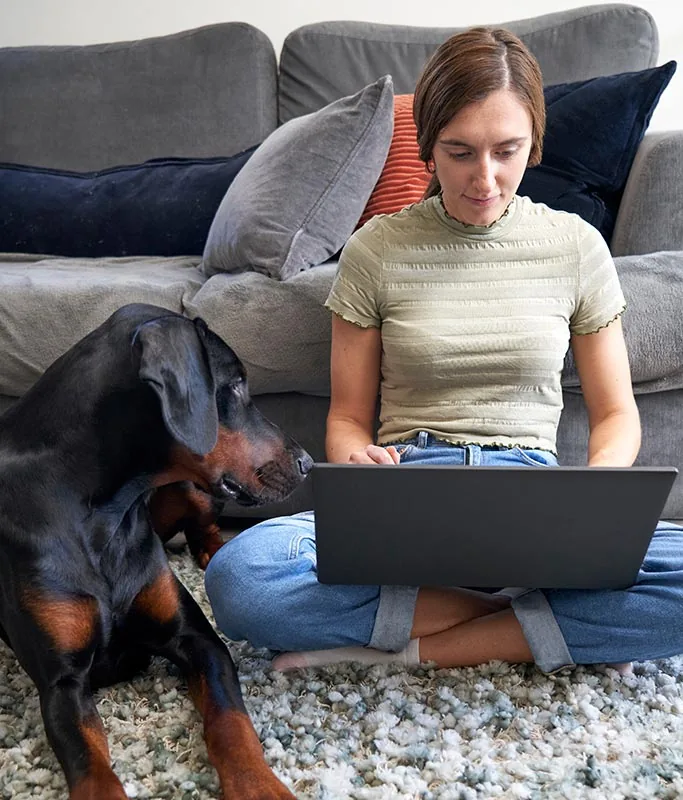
x: 204, y: 543
x: 202, y: 559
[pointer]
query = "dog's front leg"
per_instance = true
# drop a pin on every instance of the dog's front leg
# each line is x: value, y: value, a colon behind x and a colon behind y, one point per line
x: 76, y: 733
x: 182, y: 507
x: 232, y: 744
x: 55, y: 644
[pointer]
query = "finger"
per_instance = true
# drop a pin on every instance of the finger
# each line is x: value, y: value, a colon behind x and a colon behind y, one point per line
x: 379, y: 454
x: 360, y: 457
x: 393, y: 452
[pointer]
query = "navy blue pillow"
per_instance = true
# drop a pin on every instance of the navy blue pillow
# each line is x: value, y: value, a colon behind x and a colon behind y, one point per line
x: 593, y: 130
x: 163, y: 207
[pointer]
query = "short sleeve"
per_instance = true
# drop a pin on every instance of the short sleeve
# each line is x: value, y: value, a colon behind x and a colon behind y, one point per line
x: 600, y: 299
x: 355, y: 291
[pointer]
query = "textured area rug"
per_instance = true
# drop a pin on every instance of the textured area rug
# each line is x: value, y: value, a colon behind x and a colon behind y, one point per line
x: 379, y: 733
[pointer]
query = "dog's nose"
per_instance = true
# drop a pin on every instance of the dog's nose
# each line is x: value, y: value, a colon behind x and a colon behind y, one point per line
x: 305, y: 464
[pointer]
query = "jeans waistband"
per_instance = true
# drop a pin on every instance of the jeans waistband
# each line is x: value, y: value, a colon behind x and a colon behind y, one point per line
x: 425, y: 439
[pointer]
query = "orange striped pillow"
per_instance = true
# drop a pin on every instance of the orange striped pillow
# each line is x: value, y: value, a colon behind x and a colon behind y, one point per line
x: 404, y: 178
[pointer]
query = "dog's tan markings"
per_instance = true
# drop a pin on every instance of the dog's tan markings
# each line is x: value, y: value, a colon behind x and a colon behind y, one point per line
x: 232, y: 452
x: 181, y: 506
x: 177, y: 501
x: 100, y: 782
x: 159, y: 600
x: 69, y: 622
x: 236, y: 454
x: 234, y: 750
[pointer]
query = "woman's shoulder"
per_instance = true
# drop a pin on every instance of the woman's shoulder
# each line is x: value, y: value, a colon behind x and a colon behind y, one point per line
x: 559, y: 221
x: 544, y: 213
x: 582, y: 238
x: 554, y: 216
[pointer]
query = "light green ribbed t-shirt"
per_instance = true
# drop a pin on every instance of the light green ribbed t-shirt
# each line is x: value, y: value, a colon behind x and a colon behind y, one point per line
x: 475, y: 321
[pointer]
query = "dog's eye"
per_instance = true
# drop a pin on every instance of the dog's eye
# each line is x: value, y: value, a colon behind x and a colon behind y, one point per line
x: 240, y: 390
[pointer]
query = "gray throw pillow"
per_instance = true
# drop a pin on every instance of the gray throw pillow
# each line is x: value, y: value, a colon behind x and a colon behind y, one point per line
x: 299, y: 197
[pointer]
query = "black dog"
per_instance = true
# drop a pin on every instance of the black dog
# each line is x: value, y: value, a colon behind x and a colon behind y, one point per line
x: 148, y: 399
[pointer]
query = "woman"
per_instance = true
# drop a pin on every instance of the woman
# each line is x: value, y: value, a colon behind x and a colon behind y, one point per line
x: 459, y: 311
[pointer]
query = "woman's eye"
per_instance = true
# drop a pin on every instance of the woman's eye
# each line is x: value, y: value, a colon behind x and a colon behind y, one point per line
x: 458, y: 156
x: 507, y: 153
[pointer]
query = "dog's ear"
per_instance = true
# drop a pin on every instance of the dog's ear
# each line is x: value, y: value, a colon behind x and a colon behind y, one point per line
x: 175, y: 363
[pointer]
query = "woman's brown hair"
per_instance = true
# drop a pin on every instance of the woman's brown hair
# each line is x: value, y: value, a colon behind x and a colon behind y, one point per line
x: 467, y: 68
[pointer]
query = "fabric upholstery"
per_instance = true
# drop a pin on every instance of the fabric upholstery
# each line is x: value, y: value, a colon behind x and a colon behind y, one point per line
x: 659, y: 419
x: 291, y: 352
x: 48, y: 304
x: 653, y: 288
x: 651, y: 212
x: 199, y: 93
x: 299, y: 197
x: 326, y: 60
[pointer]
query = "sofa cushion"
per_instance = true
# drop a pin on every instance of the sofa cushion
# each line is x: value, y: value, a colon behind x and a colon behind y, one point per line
x: 299, y: 197
x: 323, y: 61
x: 194, y: 94
x: 163, y: 207
x: 653, y: 288
x: 48, y: 304
x: 404, y: 178
x: 280, y: 329
x: 593, y: 131
x: 651, y: 212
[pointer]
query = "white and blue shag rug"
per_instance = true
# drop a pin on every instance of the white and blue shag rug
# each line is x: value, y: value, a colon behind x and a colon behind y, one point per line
x: 380, y: 733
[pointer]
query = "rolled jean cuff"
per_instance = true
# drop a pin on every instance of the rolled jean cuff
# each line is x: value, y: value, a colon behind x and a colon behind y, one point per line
x: 394, y: 619
x: 541, y: 630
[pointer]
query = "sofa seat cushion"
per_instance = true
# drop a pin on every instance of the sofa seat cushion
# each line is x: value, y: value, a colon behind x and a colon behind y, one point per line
x: 653, y: 288
x: 49, y: 303
x: 279, y: 329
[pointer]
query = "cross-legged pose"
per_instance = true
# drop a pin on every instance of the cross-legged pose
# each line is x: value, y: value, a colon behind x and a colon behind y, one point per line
x: 459, y: 311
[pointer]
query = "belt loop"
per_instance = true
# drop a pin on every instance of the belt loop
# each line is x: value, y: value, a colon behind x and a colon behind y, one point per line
x: 473, y: 454
x: 422, y: 439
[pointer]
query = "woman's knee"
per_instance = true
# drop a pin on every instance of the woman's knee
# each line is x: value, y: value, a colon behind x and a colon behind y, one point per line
x: 249, y: 578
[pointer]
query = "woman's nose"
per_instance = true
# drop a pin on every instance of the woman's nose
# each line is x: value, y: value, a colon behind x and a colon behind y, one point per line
x: 485, y: 176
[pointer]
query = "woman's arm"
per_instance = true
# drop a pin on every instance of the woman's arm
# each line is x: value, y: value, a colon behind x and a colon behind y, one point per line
x: 355, y: 371
x: 602, y: 363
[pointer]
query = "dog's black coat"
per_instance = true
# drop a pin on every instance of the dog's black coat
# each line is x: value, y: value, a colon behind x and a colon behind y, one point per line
x: 136, y: 428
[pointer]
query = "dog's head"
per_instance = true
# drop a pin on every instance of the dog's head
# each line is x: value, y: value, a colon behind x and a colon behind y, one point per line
x: 221, y: 439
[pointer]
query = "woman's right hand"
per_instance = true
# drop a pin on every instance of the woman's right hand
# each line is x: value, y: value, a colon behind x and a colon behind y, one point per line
x: 374, y: 454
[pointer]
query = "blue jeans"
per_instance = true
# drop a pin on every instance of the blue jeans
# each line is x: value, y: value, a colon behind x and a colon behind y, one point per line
x: 263, y: 587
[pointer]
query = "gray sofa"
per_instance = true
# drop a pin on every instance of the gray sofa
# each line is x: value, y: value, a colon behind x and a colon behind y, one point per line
x: 220, y: 89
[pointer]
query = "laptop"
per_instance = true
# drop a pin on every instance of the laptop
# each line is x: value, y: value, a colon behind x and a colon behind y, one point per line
x: 486, y: 527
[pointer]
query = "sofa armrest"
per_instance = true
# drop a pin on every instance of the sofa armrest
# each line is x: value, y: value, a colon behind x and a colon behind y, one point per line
x: 650, y: 216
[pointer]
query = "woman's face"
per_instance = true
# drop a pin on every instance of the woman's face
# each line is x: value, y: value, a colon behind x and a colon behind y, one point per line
x: 481, y: 155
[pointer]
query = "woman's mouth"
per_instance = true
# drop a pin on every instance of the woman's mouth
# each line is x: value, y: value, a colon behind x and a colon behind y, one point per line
x: 482, y: 202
